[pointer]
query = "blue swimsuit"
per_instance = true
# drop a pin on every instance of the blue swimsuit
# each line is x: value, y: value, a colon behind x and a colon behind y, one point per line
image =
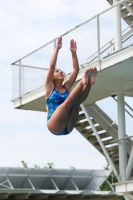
x: 54, y: 100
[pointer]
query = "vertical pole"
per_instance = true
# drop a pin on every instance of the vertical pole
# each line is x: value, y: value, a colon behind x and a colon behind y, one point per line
x: 98, y: 41
x: 22, y: 80
x: 117, y: 26
x: 121, y: 134
x: 20, y: 92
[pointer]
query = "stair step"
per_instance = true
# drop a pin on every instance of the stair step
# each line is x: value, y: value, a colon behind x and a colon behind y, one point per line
x: 84, y: 124
x: 98, y: 128
x: 125, y: 11
x: 113, y: 156
x: 129, y: 18
x: 104, y: 135
x: 106, y: 142
x: 81, y: 117
x: 116, y: 160
x: 113, y: 149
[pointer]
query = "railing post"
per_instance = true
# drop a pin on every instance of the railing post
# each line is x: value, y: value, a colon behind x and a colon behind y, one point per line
x: 98, y: 42
x: 21, y: 79
x: 20, y: 92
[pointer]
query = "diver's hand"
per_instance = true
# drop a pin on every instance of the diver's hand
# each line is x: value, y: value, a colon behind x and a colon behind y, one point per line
x: 73, y: 46
x: 59, y: 43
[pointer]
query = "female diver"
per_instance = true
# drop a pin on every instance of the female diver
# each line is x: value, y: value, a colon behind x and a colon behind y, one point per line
x: 62, y: 107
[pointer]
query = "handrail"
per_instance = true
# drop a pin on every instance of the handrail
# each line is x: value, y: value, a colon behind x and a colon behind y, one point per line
x: 127, y: 106
x: 95, y: 16
x: 99, y: 110
x: 28, y: 66
x: 110, y: 42
x: 124, y: 36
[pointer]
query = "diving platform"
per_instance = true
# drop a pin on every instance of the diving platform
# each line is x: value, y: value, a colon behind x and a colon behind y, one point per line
x: 115, y: 75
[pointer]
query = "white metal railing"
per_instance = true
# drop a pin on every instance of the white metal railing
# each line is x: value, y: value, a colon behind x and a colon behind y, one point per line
x: 21, y: 90
x: 109, y: 47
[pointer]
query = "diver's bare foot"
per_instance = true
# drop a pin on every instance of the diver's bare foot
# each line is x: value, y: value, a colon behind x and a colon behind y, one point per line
x: 86, y: 76
x: 93, y: 76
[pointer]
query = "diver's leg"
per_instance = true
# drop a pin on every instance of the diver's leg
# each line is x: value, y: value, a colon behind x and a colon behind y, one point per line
x: 75, y: 109
x: 60, y: 117
x: 85, y: 92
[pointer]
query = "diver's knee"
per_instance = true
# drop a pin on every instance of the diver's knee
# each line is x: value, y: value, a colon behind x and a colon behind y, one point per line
x: 68, y: 103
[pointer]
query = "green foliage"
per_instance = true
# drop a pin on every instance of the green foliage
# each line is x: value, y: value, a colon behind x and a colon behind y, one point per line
x: 111, y: 179
x: 24, y: 164
x: 49, y: 165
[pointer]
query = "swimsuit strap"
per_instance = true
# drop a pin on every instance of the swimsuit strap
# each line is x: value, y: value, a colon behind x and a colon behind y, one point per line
x: 65, y: 89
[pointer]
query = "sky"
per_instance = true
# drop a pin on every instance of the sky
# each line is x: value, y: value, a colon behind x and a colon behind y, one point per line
x: 24, y: 26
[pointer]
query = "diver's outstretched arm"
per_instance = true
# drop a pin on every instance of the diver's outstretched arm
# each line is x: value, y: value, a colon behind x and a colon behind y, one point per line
x: 49, y: 77
x: 73, y: 48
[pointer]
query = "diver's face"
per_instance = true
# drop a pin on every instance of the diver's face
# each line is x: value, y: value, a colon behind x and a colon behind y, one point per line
x: 58, y: 74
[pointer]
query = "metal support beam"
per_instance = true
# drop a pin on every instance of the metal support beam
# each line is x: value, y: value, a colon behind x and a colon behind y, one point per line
x: 121, y: 134
x: 100, y: 142
x: 117, y: 26
x: 10, y: 183
x: 129, y: 165
x: 110, y: 185
x: 54, y: 184
x: 74, y: 185
x: 32, y: 186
